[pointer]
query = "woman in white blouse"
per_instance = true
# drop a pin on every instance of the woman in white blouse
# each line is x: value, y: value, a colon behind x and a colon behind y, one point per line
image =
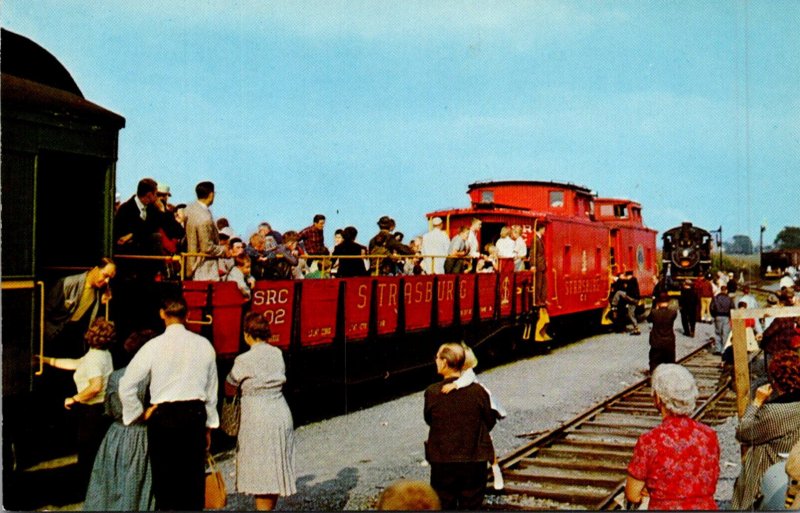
x: 91, y: 376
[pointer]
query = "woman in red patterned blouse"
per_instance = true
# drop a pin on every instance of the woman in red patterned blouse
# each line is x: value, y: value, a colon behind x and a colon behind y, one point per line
x: 676, y: 463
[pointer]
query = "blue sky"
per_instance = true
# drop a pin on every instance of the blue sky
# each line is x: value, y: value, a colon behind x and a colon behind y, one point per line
x: 358, y: 109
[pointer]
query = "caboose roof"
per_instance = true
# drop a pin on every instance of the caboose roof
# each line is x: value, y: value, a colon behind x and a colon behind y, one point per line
x: 565, y: 185
x: 33, y: 80
x: 617, y: 200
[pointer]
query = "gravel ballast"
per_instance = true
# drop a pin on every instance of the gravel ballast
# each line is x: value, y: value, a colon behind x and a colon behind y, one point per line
x: 345, y: 462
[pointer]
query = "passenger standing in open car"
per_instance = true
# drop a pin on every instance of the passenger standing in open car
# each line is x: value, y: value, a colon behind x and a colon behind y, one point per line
x: 137, y: 221
x: 202, y: 236
x: 394, y: 246
x: 520, y: 249
x: 457, y: 257
x: 539, y: 266
x: 506, y: 247
x: 384, y: 243
x: 283, y: 258
x: 382, y: 257
x: 256, y: 250
x: 349, y: 267
x: 313, y: 237
x: 434, y: 248
x: 240, y: 275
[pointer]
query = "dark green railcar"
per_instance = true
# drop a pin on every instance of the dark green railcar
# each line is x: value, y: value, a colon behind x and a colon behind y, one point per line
x: 59, y: 153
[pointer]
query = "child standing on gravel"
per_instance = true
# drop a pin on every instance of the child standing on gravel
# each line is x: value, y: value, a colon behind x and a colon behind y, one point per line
x: 467, y: 378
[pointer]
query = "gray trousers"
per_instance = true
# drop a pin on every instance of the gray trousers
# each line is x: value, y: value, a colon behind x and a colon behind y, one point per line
x: 722, y: 328
x: 630, y: 307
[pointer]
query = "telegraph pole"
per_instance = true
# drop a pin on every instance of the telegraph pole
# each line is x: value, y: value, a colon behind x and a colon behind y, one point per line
x: 761, y: 250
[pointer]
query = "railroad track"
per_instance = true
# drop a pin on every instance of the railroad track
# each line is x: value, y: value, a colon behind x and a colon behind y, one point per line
x: 582, y: 464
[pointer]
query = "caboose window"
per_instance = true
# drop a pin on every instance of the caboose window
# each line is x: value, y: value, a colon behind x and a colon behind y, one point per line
x: 598, y: 260
x: 557, y: 198
x: 621, y: 211
x: 606, y: 210
x: 487, y: 196
x: 567, y: 270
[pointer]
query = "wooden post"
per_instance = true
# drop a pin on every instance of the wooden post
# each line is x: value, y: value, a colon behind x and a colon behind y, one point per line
x: 741, y: 366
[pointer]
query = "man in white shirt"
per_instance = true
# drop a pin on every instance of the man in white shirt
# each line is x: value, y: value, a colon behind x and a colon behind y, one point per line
x: 520, y: 249
x: 435, y: 243
x: 473, y: 247
x: 182, y: 371
x: 748, y: 298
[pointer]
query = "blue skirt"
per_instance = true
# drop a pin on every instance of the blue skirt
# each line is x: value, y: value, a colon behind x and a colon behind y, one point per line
x: 122, y: 479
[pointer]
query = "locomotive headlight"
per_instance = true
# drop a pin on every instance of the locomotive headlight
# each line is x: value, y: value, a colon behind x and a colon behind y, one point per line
x: 685, y: 253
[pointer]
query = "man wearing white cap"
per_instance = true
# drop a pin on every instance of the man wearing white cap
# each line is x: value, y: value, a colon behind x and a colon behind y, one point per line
x: 435, y: 243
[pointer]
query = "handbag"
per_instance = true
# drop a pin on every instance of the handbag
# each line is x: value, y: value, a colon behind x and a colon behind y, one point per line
x: 230, y: 415
x: 216, y: 495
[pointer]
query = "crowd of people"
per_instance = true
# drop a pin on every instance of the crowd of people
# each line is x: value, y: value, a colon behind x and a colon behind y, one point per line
x: 676, y: 465
x: 144, y: 428
x: 147, y: 224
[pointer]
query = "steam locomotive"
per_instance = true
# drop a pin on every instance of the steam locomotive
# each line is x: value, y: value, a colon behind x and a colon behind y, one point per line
x: 686, y: 254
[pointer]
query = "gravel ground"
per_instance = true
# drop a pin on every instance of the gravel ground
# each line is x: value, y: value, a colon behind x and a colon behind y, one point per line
x: 345, y: 462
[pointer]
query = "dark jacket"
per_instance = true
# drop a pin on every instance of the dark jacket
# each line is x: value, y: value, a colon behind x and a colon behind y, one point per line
x: 632, y: 289
x: 459, y: 424
x: 662, y: 334
x: 721, y: 305
x: 537, y: 256
x: 350, y: 266
x: 688, y: 300
x: 391, y: 244
x: 128, y: 220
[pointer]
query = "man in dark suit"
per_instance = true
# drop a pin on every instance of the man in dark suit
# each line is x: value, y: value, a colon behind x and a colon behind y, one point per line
x: 459, y: 446
x: 539, y: 266
x: 137, y: 221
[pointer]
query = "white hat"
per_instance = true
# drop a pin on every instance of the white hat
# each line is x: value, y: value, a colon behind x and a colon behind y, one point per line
x: 436, y: 221
x: 163, y: 189
x: 228, y: 231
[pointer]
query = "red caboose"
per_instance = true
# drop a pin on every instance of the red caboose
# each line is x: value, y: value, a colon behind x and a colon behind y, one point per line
x: 585, y: 236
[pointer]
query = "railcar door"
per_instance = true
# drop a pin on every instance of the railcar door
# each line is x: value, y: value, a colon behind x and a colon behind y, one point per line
x: 74, y: 211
